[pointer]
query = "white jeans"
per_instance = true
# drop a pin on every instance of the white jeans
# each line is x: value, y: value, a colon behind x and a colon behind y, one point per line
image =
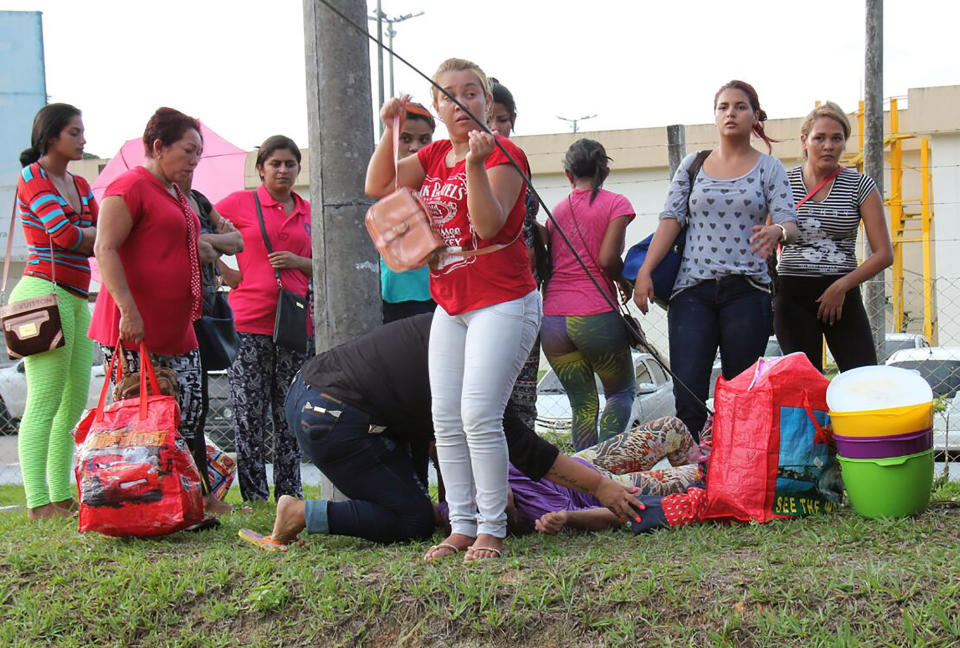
x: 475, y: 358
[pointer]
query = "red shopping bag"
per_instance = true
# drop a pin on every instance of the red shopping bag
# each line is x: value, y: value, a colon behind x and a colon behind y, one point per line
x: 770, y: 456
x: 134, y: 471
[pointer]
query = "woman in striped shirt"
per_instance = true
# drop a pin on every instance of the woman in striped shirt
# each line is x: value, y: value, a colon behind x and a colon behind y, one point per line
x: 818, y: 293
x: 59, y: 215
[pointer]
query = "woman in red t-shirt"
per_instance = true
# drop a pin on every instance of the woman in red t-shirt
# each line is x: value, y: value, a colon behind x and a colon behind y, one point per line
x: 489, y: 310
x: 148, y: 256
x: 263, y: 370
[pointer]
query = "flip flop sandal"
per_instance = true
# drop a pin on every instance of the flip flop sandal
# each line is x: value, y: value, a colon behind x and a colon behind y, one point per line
x: 261, y: 541
x: 471, y: 550
x: 442, y: 545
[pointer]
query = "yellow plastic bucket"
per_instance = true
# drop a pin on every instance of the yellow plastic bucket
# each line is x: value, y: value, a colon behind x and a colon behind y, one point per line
x: 883, y: 422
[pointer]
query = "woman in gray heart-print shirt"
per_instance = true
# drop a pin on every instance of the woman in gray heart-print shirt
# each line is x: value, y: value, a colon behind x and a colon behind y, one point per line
x: 721, y: 297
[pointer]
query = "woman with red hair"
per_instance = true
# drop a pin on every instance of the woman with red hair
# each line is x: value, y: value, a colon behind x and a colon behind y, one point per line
x: 147, y: 249
x: 721, y: 297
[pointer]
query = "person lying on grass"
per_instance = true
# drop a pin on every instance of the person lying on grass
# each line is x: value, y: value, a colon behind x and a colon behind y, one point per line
x: 671, y: 498
x: 361, y: 413
x: 547, y: 507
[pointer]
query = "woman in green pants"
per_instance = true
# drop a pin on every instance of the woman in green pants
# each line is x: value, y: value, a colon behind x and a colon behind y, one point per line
x: 58, y: 214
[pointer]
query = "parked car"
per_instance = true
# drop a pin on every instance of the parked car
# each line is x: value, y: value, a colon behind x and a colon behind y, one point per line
x: 893, y: 342
x: 939, y: 366
x: 654, y: 396
x: 13, y: 393
x: 946, y: 428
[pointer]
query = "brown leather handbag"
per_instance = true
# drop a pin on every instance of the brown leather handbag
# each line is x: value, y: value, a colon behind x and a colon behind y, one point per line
x: 33, y: 325
x: 127, y: 383
x: 399, y: 224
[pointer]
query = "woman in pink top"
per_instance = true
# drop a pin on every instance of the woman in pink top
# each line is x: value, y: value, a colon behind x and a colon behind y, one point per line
x: 263, y: 370
x: 581, y: 334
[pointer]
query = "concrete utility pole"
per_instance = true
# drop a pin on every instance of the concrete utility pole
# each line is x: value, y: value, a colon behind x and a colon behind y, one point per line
x: 873, y: 156
x: 676, y: 147
x: 380, y: 17
x: 346, y: 276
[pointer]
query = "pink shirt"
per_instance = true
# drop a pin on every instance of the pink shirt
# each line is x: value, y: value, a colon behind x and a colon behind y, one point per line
x: 570, y: 291
x: 254, y: 301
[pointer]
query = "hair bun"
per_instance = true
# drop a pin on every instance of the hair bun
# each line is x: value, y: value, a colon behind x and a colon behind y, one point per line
x: 762, y: 114
x: 28, y: 156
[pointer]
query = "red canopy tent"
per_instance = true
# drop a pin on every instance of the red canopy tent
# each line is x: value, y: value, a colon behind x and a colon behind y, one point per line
x: 219, y: 173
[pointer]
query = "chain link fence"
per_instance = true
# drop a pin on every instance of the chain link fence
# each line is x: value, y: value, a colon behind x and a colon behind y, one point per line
x: 936, y: 357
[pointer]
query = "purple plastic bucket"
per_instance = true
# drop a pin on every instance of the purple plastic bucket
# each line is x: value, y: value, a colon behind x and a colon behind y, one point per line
x: 883, y: 447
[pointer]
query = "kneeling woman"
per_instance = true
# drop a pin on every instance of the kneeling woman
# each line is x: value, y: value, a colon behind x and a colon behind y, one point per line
x: 361, y: 412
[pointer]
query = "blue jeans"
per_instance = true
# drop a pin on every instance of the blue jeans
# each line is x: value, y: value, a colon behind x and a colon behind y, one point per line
x: 728, y: 312
x: 387, y: 503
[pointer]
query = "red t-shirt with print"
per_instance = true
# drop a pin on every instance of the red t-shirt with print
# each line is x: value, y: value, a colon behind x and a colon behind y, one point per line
x: 475, y: 282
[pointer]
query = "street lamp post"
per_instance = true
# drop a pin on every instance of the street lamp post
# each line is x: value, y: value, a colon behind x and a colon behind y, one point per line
x: 381, y: 18
x: 574, y: 122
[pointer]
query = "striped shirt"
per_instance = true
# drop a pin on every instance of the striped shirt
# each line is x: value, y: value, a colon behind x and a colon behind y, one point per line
x: 49, y: 220
x: 828, y: 228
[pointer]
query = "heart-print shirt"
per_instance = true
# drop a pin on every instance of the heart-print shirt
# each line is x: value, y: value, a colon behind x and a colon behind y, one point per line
x: 722, y: 214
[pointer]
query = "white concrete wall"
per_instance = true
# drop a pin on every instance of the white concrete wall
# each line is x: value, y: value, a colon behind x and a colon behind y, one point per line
x: 945, y: 160
x: 646, y: 189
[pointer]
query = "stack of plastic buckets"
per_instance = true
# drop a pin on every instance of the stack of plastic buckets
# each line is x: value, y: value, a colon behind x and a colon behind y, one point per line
x: 883, y: 425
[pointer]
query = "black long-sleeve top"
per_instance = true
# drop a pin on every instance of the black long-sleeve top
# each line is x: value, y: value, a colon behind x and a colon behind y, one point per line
x: 384, y: 373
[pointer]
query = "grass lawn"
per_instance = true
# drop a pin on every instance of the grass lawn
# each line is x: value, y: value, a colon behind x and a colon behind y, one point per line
x: 834, y: 580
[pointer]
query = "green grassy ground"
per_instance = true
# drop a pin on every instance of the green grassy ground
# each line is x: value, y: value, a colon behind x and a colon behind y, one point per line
x: 828, y: 581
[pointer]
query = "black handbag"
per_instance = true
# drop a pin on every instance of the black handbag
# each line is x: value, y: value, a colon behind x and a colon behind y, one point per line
x: 216, y: 335
x: 290, y: 323
x: 665, y: 274
x: 541, y: 255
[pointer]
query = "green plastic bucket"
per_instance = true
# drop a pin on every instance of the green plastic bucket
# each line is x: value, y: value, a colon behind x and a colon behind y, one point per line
x: 891, y: 487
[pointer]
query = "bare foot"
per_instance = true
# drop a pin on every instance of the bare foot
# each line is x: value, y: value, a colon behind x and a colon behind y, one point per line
x: 485, y: 547
x: 291, y: 519
x: 215, y: 506
x: 252, y: 505
x: 47, y: 511
x: 552, y: 522
x: 67, y: 505
x: 455, y: 543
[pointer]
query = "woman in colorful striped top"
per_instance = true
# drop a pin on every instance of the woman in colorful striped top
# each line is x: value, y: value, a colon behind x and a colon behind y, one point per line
x: 59, y: 215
